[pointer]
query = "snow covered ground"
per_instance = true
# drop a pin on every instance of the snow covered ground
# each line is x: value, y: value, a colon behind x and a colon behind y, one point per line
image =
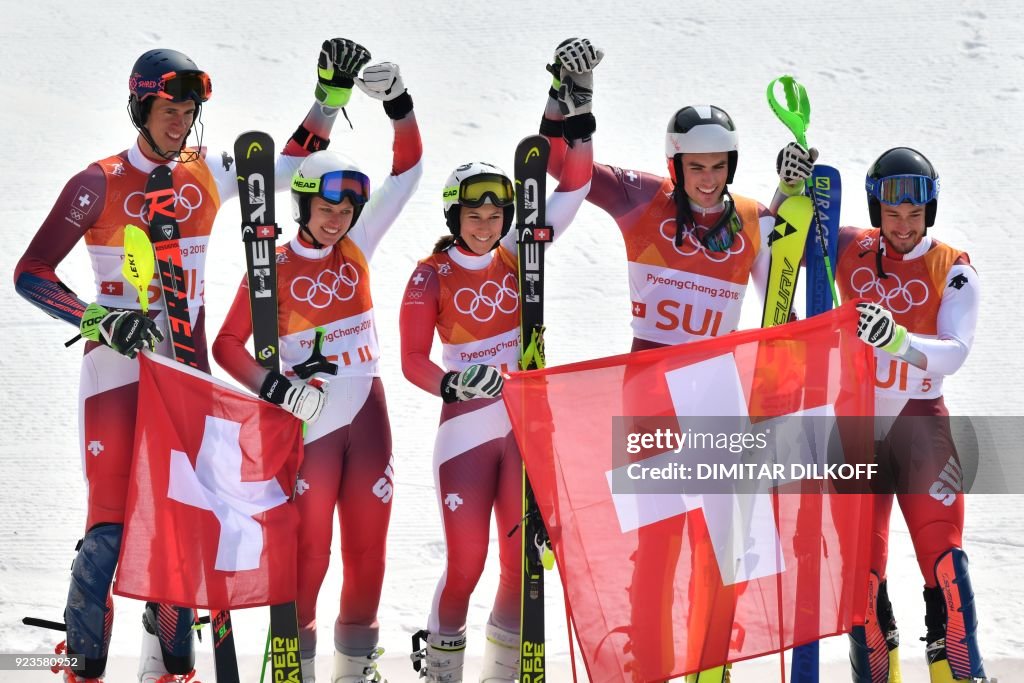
x: 944, y: 78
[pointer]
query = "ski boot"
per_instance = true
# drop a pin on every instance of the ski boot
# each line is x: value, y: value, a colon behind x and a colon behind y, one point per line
x: 951, y: 640
x: 308, y: 670
x: 874, y: 647
x: 501, y: 656
x: 157, y: 659
x: 89, y: 615
x: 356, y: 669
x: 70, y: 675
x: 442, y: 659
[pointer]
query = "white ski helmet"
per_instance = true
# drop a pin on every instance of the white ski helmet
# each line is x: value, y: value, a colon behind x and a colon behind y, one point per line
x: 698, y: 129
x: 332, y: 176
x: 474, y: 184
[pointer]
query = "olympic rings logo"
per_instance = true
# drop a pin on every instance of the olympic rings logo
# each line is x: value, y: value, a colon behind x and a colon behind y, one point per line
x: 187, y: 198
x: 899, y: 298
x: 692, y: 246
x: 490, y: 300
x: 327, y: 287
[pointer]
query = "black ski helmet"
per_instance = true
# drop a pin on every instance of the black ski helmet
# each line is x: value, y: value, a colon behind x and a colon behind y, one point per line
x: 697, y: 129
x: 167, y: 74
x: 901, y: 161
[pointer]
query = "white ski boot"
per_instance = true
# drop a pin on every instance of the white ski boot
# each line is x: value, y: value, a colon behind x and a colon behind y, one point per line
x: 442, y: 659
x: 151, y: 662
x: 501, y: 656
x: 356, y: 669
x: 308, y: 670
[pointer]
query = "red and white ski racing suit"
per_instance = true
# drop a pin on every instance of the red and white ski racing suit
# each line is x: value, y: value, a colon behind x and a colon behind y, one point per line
x: 348, y: 465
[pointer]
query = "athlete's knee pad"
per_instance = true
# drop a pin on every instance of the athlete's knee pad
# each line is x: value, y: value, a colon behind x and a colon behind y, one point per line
x: 951, y: 618
x: 89, y: 613
x: 874, y: 647
x: 173, y: 627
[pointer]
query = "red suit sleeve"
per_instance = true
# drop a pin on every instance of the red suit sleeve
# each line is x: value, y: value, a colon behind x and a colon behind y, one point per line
x: 229, y: 348
x: 407, y: 149
x: 608, y: 190
x: 416, y: 323
x: 35, y: 275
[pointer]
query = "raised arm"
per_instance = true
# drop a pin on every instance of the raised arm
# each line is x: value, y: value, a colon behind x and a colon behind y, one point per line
x: 339, y: 61
x: 384, y: 82
x: 617, y: 191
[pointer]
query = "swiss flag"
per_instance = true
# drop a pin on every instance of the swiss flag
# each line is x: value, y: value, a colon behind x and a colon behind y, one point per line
x: 672, y: 577
x: 112, y: 287
x: 207, y: 520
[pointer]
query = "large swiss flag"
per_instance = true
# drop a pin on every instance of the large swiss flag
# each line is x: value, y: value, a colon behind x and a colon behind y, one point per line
x: 663, y: 581
x: 208, y: 522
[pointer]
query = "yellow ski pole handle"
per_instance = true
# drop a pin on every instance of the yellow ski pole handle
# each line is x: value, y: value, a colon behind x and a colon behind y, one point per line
x: 533, y: 354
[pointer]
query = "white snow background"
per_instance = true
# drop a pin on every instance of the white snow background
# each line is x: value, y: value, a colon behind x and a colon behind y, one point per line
x: 943, y: 77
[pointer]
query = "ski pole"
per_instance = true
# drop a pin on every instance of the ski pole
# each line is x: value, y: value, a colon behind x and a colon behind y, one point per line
x: 795, y: 114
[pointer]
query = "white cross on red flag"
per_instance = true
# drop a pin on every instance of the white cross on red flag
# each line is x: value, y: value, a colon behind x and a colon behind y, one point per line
x: 664, y: 581
x: 207, y: 519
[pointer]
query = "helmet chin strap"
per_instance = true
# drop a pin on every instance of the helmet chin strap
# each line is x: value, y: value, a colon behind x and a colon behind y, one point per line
x: 148, y: 137
x: 718, y: 237
x: 304, y: 231
x: 176, y: 155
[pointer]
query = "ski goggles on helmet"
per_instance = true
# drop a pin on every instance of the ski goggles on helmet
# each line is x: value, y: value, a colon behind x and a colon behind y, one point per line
x: 176, y: 86
x: 335, y: 186
x: 896, y: 189
x: 483, y: 187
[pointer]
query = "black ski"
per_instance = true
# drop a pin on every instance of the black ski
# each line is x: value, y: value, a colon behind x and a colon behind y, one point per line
x: 254, y: 164
x: 530, y: 173
x: 164, y: 234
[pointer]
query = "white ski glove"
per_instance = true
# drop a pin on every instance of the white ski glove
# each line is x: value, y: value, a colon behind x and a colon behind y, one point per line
x: 302, y: 400
x: 576, y: 58
x: 381, y: 81
x: 476, y: 381
x: 877, y: 328
x: 794, y: 165
x: 578, y: 55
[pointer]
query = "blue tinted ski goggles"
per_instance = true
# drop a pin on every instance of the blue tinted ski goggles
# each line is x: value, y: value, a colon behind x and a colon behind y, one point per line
x: 896, y: 189
x: 335, y: 186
